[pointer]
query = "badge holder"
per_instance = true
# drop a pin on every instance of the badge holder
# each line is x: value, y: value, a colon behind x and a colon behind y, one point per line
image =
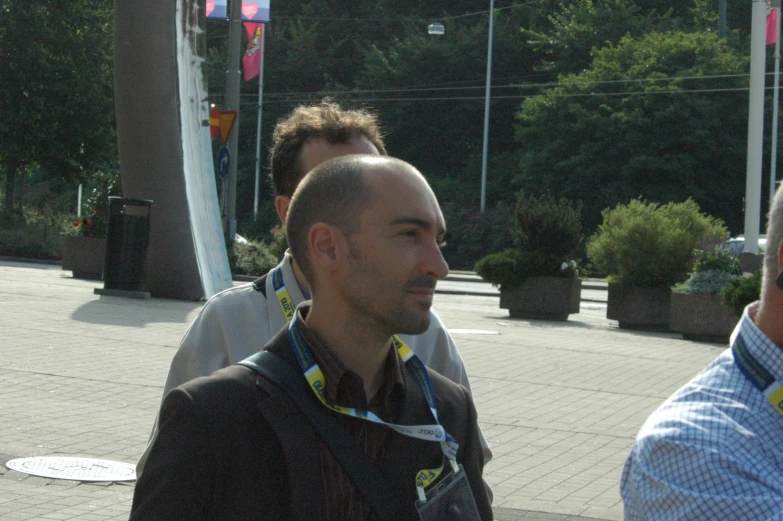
x: 449, y: 500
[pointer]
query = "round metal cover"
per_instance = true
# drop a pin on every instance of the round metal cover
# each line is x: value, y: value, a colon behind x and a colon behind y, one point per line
x: 77, y: 469
x: 473, y: 331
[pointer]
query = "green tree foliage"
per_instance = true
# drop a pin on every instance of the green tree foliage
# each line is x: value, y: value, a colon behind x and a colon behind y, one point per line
x: 663, y: 117
x: 651, y: 245
x: 56, y: 93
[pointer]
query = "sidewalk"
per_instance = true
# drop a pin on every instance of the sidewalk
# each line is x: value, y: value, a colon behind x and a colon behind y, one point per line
x: 560, y: 403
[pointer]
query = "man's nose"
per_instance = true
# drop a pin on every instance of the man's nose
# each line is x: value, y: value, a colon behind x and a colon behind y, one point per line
x: 436, y: 266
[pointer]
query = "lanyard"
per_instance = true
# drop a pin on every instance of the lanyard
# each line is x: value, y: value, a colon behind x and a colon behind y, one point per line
x: 317, y: 382
x: 283, y: 298
x: 757, y: 374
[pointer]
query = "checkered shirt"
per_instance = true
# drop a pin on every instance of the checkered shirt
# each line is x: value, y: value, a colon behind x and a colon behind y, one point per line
x: 714, y: 450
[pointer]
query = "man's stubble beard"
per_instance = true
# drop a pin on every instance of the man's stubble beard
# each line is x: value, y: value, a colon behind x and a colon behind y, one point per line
x: 401, y: 318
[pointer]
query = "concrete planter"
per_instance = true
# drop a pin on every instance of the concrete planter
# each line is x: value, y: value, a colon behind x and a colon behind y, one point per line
x: 702, y: 318
x: 84, y: 256
x: 543, y: 298
x: 634, y: 307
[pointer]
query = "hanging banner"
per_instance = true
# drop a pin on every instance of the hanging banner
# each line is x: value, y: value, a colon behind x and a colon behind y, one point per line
x: 251, y: 61
x: 252, y: 10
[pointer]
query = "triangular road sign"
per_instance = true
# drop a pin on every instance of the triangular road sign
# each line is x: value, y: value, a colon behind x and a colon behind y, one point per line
x: 227, y: 119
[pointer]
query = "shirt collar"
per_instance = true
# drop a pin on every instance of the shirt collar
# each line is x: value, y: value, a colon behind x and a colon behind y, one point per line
x: 764, y: 350
x: 342, y: 384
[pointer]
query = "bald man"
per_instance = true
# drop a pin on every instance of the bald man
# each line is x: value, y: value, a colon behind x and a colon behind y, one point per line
x: 372, y: 263
x: 239, y: 321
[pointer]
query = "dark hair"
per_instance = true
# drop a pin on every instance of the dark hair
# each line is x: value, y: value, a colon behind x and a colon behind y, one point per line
x: 325, y: 120
x: 335, y: 193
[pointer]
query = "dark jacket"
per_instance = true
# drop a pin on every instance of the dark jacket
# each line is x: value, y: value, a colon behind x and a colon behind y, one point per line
x: 217, y: 458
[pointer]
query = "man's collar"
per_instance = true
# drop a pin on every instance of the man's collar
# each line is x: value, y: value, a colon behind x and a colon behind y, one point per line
x: 339, y: 378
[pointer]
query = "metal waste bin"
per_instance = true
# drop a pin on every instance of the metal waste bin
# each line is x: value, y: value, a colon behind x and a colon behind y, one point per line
x: 127, y: 239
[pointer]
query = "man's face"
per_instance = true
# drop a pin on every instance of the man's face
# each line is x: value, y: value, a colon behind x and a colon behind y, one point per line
x: 317, y: 150
x: 395, y: 257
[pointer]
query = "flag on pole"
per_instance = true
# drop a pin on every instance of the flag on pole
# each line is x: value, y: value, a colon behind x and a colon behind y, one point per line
x: 217, y: 10
x: 252, y: 10
x: 772, y: 26
x: 251, y: 61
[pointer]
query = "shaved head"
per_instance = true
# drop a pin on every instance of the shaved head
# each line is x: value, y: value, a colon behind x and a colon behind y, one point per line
x: 336, y: 192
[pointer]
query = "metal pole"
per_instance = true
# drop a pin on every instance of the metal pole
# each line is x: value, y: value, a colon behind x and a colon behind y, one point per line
x: 758, y: 46
x: 486, y: 107
x: 79, y: 201
x: 258, y: 126
x: 722, y: 18
x: 773, y: 167
x: 233, y: 77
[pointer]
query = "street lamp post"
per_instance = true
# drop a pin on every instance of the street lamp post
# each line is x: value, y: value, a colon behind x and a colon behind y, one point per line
x: 486, y: 107
x: 438, y: 29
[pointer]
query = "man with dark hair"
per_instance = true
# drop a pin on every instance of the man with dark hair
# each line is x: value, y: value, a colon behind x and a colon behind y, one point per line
x: 221, y: 455
x: 712, y: 449
x: 239, y: 321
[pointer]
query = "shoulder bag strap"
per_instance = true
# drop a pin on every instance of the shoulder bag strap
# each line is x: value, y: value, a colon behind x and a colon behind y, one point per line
x: 362, y: 471
x: 301, y: 450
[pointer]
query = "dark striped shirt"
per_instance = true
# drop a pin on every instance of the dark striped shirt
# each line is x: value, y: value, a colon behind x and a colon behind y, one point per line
x: 342, y: 500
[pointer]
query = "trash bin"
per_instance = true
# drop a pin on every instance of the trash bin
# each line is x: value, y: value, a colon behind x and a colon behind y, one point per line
x: 127, y: 239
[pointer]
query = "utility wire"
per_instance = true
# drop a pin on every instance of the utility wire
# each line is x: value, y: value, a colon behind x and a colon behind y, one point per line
x: 515, y: 86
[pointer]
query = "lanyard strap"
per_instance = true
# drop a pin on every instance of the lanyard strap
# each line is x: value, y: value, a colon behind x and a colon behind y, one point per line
x: 757, y: 374
x: 283, y: 298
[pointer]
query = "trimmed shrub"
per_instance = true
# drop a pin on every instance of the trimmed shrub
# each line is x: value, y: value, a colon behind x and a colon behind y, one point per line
x: 741, y: 292
x: 251, y: 258
x: 651, y: 245
x: 545, y: 231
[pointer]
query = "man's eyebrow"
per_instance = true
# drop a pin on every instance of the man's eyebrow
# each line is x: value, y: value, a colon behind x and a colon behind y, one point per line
x: 440, y: 231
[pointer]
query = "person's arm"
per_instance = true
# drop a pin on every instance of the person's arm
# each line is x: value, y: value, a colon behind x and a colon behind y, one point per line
x: 179, y: 474
x: 668, y: 479
x: 472, y: 461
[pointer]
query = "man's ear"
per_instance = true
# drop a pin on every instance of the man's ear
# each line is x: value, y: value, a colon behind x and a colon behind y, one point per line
x: 282, y: 202
x: 324, y: 247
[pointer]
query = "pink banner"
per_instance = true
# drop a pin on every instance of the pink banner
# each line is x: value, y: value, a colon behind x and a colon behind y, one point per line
x: 251, y: 61
x: 772, y: 26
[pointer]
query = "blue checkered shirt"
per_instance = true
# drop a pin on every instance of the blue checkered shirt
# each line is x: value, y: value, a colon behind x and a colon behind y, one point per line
x: 714, y: 449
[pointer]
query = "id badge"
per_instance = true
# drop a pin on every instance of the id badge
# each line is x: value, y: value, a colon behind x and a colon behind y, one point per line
x: 449, y: 500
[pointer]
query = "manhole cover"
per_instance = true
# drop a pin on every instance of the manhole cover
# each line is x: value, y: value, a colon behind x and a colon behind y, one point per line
x: 78, y: 469
x: 473, y: 331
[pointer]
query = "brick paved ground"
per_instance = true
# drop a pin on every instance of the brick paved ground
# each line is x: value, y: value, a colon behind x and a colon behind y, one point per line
x: 81, y: 375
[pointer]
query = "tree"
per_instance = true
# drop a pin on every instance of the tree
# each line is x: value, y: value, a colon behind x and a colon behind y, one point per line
x: 56, y: 96
x: 663, y: 117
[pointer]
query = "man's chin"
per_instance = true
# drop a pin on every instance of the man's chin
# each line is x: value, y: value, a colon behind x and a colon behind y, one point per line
x: 414, y: 327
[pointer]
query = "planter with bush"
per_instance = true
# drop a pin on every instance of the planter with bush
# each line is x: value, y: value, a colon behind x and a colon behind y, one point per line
x: 645, y: 249
x: 84, y: 246
x: 697, y: 312
x: 537, y: 278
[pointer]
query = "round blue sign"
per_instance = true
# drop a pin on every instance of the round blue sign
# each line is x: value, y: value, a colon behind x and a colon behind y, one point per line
x: 223, y: 162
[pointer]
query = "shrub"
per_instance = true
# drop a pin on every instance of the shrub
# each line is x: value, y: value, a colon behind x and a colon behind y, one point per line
x: 30, y: 244
x: 713, y: 270
x: 741, y: 292
x: 651, y: 245
x: 545, y: 231
x: 251, y: 258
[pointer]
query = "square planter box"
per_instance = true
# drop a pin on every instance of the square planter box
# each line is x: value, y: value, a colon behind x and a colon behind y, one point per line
x: 634, y: 307
x: 84, y: 257
x: 543, y: 298
x: 702, y: 318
